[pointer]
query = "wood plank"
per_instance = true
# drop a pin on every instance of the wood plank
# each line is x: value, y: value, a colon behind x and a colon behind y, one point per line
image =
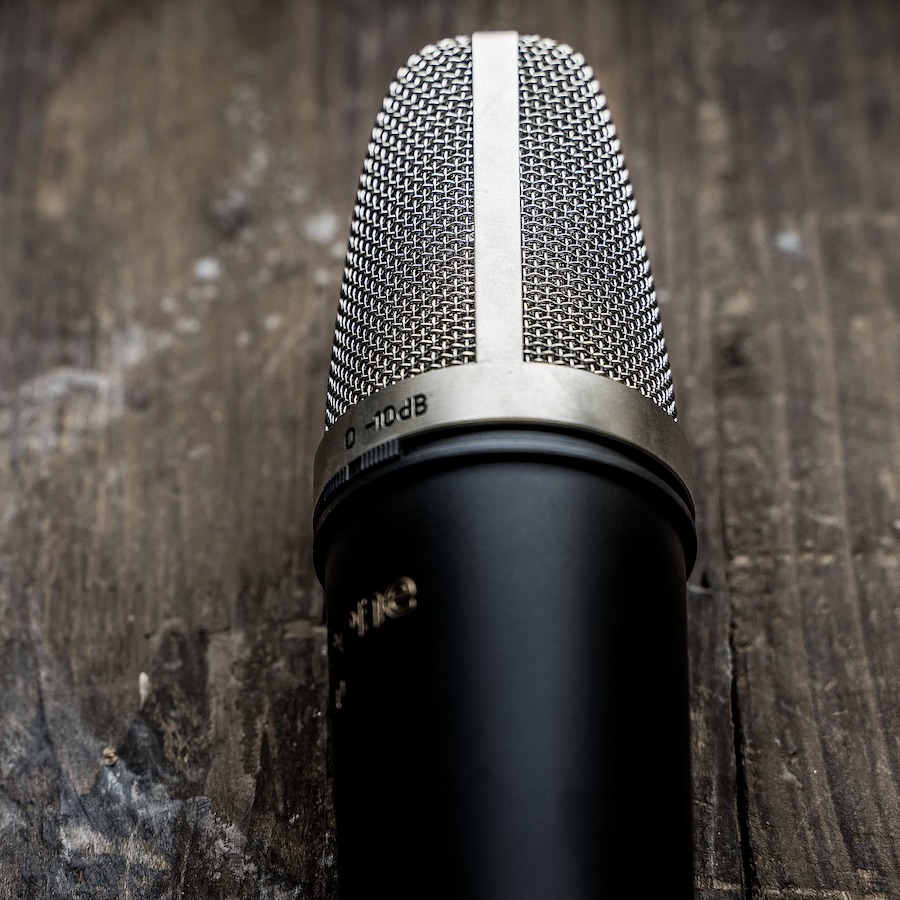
x: 176, y: 183
x: 820, y: 785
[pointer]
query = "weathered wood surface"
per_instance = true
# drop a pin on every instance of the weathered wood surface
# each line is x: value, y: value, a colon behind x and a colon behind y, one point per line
x: 176, y: 181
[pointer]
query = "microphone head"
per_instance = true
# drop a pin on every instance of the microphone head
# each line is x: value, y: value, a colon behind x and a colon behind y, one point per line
x: 496, y: 251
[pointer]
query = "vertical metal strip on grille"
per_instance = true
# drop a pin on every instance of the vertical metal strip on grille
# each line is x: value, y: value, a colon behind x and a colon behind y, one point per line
x: 498, y: 224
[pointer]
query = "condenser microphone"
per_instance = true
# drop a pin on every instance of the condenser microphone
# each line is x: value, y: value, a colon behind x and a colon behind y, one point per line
x: 504, y: 523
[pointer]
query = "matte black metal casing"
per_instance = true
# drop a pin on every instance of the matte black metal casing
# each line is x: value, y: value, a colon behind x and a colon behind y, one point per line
x: 517, y: 727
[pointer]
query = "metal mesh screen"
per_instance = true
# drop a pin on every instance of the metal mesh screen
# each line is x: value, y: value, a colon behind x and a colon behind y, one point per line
x: 588, y: 293
x: 407, y: 300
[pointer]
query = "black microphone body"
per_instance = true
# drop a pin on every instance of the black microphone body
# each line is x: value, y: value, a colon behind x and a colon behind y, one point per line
x: 521, y: 732
x: 504, y: 546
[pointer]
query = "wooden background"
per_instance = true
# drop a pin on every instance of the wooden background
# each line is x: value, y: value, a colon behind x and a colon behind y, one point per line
x: 176, y: 183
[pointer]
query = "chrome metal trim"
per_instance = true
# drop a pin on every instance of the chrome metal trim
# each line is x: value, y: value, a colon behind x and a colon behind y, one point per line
x: 498, y: 220
x: 537, y: 394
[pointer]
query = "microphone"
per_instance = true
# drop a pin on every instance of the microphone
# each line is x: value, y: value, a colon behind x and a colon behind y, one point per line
x: 504, y: 524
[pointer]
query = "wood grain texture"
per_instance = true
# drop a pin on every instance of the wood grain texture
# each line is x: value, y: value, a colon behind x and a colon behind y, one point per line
x: 176, y: 183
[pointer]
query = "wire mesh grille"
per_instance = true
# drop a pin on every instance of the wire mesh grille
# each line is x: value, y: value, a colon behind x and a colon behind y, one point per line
x: 408, y: 300
x: 408, y: 296
x: 588, y: 298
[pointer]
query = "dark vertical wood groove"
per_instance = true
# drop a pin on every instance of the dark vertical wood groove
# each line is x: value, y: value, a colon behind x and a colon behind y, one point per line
x: 751, y: 879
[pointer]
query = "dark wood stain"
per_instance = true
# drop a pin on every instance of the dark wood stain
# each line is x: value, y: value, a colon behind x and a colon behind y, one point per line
x: 176, y: 184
